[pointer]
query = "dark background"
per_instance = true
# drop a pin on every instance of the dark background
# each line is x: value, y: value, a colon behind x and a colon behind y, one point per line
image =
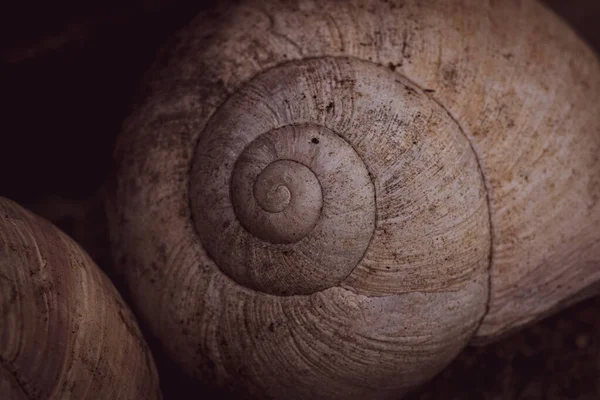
x: 68, y: 73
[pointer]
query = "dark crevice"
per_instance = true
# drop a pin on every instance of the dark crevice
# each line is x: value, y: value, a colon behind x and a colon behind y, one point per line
x: 13, y: 374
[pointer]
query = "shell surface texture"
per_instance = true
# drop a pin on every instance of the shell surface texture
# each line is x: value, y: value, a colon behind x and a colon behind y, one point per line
x: 65, y: 332
x: 326, y: 199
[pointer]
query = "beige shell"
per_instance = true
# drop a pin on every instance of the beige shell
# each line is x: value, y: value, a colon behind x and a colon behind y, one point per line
x: 65, y: 332
x: 327, y: 199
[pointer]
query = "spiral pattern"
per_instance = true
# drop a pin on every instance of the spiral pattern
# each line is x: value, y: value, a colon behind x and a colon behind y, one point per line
x: 280, y: 186
x: 327, y: 227
x: 313, y: 221
x: 332, y: 219
x: 270, y: 131
x: 299, y: 210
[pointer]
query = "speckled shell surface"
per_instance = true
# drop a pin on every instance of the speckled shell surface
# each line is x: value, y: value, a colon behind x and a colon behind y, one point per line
x: 65, y: 332
x: 330, y: 199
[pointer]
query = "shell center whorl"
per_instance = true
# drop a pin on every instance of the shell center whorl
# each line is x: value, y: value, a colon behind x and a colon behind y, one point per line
x: 286, y: 210
x: 285, y: 202
x: 271, y: 197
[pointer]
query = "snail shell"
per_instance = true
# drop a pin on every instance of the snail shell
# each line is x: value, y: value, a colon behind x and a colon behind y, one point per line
x: 65, y: 333
x: 330, y: 200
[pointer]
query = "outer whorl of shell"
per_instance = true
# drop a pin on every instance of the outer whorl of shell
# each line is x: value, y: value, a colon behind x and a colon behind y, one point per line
x: 312, y: 193
x: 65, y: 332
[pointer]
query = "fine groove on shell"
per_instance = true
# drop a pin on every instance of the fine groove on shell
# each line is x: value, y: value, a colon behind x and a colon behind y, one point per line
x: 65, y: 332
x: 489, y: 205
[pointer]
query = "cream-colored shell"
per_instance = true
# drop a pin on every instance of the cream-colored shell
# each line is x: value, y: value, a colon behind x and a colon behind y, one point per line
x: 326, y: 199
x: 65, y: 332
